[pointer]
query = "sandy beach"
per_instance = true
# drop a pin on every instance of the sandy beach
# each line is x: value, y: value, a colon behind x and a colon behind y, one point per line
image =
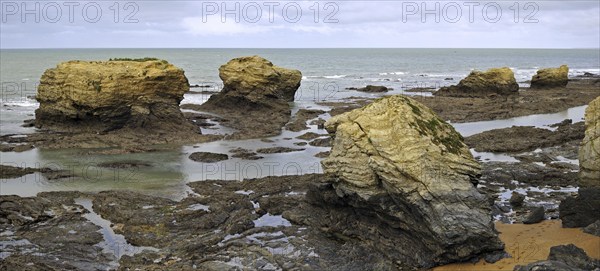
x: 531, y: 243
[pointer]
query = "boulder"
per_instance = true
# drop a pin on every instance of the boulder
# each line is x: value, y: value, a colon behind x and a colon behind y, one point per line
x: 564, y: 257
x: 255, y: 96
x: 582, y: 209
x: 208, y: 157
x: 403, y: 168
x: 101, y: 96
x: 551, y: 77
x: 374, y: 89
x: 536, y: 215
x: 499, y: 81
x: 516, y: 199
x: 593, y: 228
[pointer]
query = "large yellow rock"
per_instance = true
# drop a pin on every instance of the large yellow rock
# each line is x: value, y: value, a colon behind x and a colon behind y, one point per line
x: 258, y: 80
x: 551, y: 77
x: 589, y: 152
x: 96, y: 96
x: 398, y: 159
x: 499, y: 81
x: 255, y: 96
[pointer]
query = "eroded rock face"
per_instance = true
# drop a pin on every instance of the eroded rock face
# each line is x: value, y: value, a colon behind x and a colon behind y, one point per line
x: 255, y: 96
x: 551, y: 77
x: 582, y: 210
x: 396, y: 160
x: 589, y: 152
x: 499, y: 81
x: 99, y: 96
x: 258, y: 80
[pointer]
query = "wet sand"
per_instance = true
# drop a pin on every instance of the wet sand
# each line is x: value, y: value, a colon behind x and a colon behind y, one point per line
x: 531, y: 243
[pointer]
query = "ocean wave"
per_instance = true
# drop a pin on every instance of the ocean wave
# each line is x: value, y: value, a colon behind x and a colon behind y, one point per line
x: 392, y: 73
x: 325, y: 76
x: 21, y: 103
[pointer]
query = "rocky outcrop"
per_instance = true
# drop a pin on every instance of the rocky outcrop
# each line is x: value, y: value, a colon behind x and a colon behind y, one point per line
x: 102, y: 96
x: 208, y: 157
x: 371, y: 89
x: 563, y: 257
x: 255, y: 96
x: 551, y: 77
x: 530, y: 138
x: 499, y: 81
x: 582, y: 210
x: 395, y: 162
x: 589, y: 152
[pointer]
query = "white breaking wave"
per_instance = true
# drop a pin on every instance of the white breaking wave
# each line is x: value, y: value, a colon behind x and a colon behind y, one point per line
x: 22, y: 103
x: 392, y: 73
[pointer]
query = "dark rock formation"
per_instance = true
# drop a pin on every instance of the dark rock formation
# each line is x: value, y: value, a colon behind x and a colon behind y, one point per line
x: 516, y: 199
x: 208, y: 157
x: 581, y: 210
x: 374, y: 89
x: 530, y: 138
x: 565, y: 258
x: 593, y: 228
x: 536, y: 215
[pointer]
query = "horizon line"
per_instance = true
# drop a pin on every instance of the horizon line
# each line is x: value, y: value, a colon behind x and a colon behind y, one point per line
x: 535, y: 48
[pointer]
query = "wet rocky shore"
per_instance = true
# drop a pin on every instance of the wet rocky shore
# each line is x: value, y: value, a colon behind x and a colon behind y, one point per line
x: 393, y: 168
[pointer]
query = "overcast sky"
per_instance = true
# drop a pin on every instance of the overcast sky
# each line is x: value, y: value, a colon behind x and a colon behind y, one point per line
x: 279, y: 24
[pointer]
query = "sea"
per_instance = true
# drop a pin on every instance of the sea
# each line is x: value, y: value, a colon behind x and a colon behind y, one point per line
x: 327, y: 73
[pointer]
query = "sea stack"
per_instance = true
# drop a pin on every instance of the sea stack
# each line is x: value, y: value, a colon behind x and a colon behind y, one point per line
x: 255, y: 96
x: 551, y: 78
x: 101, y: 96
x: 397, y: 163
x: 495, y: 81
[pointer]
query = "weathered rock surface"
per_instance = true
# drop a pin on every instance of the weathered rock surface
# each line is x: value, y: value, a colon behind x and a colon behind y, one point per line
x: 563, y: 257
x: 593, y: 228
x: 589, y: 153
x: 301, y: 117
x: 536, y: 215
x: 373, y: 89
x: 277, y: 150
x: 499, y: 81
x: 529, y: 138
x: 582, y: 210
x: 208, y: 157
x: 396, y: 160
x: 49, y: 232
x: 460, y: 109
x: 551, y: 77
x: 101, y: 96
x: 255, y: 96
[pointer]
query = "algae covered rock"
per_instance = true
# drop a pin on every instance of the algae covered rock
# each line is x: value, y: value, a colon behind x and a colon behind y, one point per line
x: 551, y: 77
x: 99, y: 96
x: 499, y: 81
x: 397, y: 161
